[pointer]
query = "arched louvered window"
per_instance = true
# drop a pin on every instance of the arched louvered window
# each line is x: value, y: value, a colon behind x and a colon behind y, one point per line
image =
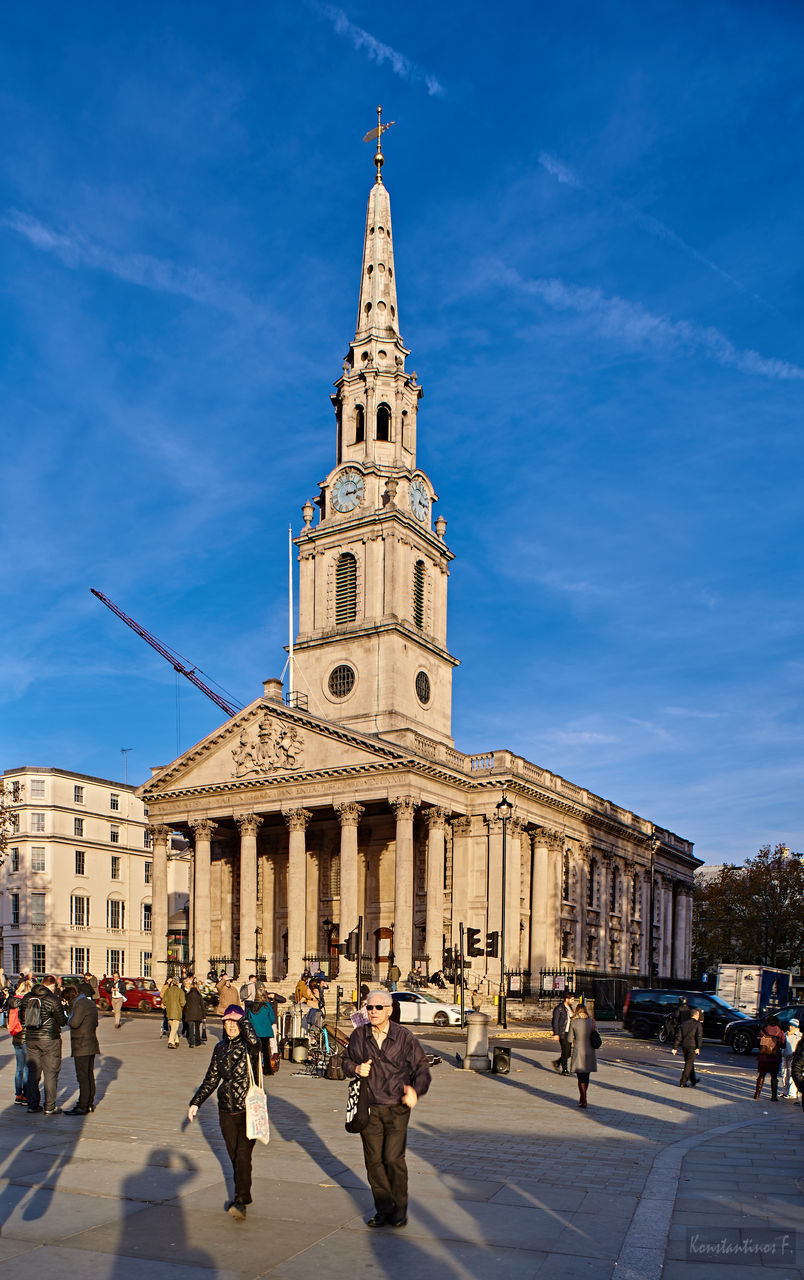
x: 383, y: 422
x: 345, y: 589
x: 360, y: 424
x: 418, y: 594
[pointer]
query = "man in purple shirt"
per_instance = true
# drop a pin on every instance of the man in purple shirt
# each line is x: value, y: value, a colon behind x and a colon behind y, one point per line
x: 394, y: 1067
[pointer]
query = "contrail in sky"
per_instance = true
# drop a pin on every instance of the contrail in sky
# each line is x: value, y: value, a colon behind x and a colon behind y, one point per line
x: 378, y: 52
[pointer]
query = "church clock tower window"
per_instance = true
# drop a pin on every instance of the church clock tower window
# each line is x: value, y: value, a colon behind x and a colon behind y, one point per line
x: 345, y: 589
x: 383, y: 422
x: 360, y: 424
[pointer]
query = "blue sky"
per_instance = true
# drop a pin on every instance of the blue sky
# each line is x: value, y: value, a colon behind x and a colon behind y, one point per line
x: 597, y: 214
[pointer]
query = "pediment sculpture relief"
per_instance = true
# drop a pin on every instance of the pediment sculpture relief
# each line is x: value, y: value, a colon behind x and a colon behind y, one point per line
x: 271, y: 745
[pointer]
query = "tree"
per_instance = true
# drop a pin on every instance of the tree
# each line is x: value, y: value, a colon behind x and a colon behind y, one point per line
x: 6, y: 820
x: 752, y: 914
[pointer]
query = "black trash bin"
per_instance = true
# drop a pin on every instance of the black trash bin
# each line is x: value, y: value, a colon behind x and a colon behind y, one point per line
x: 501, y: 1060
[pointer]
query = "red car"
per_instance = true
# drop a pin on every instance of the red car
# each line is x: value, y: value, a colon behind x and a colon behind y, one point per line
x: 141, y: 993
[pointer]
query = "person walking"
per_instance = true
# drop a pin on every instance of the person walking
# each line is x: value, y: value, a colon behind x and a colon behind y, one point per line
x: 17, y: 1032
x: 394, y: 974
x: 42, y: 1017
x: 393, y: 1067
x: 117, y: 995
x: 84, y: 1047
x: 248, y: 991
x: 791, y: 1043
x: 228, y: 1073
x: 195, y: 1012
x: 771, y: 1045
x: 689, y: 1038
x: 261, y: 1015
x: 562, y: 1017
x: 173, y: 1003
x: 583, y: 1053
x: 227, y: 992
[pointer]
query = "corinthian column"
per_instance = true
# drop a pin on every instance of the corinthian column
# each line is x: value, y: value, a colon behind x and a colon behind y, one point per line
x: 297, y: 820
x: 404, y: 807
x: 545, y: 901
x: 513, y: 892
x: 159, y: 904
x: 202, y: 830
x: 434, y: 912
x: 349, y: 815
x: 249, y: 825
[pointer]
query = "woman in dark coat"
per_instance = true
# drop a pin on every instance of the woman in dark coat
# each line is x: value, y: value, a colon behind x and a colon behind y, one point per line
x: 797, y: 1069
x: 583, y: 1055
x: 771, y: 1047
x: 194, y: 1013
x: 83, y: 1024
x: 228, y: 1073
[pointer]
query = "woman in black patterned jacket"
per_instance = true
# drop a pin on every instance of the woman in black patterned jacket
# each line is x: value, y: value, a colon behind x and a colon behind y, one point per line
x: 228, y: 1072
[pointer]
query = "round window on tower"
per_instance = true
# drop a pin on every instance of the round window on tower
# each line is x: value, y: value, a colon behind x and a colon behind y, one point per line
x: 341, y: 681
x: 423, y: 688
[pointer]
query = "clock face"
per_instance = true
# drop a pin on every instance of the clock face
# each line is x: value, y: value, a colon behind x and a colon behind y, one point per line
x: 419, y: 501
x: 348, y: 490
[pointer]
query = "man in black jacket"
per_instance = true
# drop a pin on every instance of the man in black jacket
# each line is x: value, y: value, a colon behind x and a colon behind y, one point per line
x: 562, y: 1016
x: 84, y: 1045
x: 690, y: 1037
x: 394, y: 1069
x: 42, y: 1016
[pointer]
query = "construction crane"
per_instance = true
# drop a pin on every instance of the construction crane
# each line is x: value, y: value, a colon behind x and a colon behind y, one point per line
x: 231, y: 708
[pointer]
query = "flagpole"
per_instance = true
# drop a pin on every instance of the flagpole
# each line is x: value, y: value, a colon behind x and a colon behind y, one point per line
x: 290, y: 612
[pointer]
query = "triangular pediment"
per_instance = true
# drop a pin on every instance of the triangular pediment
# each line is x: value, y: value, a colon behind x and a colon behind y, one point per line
x: 265, y: 741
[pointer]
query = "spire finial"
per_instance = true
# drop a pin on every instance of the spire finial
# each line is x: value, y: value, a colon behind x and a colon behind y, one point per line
x: 379, y: 158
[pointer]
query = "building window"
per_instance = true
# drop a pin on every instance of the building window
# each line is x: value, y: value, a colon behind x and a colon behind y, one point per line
x: 423, y: 690
x: 146, y: 839
x: 145, y: 964
x: 345, y: 589
x: 38, y: 958
x: 15, y: 957
x: 14, y: 860
x: 37, y: 858
x: 115, y: 960
x: 115, y: 914
x: 16, y: 792
x: 591, y: 949
x: 78, y: 826
x: 635, y: 912
x: 614, y: 892
x: 146, y: 917
x: 566, y: 944
x: 591, y: 885
x: 566, y: 878
x: 149, y: 870
x: 418, y: 594
x: 335, y: 876
x: 634, y: 955
x: 37, y: 908
x: 80, y: 862
x: 114, y: 835
x: 360, y: 424
x: 38, y: 823
x: 79, y: 911
x: 14, y: 824
x: 114, y: 801
x: 383, y: 422
x: 115, y: 866
x: 78, y: 795
x: 341, y: 681
x: 612, y: 954
x: 37, y: 788
x: 79, y: 960
x: 15, y: 908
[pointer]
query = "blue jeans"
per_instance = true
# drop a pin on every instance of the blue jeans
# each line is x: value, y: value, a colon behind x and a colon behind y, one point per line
x: 21, y: 1075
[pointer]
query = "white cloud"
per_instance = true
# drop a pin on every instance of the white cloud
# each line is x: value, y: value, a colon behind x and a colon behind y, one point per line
x: 378, y: 52
x: 560, y: 171
x: 630, y: 322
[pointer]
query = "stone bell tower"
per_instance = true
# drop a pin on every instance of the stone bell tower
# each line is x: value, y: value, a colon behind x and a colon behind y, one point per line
x: 372, y: 644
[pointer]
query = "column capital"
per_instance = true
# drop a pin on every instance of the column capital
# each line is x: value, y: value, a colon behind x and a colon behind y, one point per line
x: 297, y: 819
x: 516, y: 827
x: 249, y: 823
x: 461, y: 826
x: 203, y: 827
x: 349, y: 813
x: 550, y: 837
x: 404, y: 807
x: 159, y: 834
x: 435, y: 818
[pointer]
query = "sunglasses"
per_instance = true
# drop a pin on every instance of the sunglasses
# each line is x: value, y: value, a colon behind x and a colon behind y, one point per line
x: 376, y: 1007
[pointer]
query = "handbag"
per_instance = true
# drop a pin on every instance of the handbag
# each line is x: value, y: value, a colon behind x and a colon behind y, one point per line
x: 357, y: 1106
x: 256, y: 1107
x: 594, y: 1038
x: 14, y: 1024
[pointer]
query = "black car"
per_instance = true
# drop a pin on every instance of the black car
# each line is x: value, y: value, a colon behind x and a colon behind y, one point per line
x: 646, y: 1009
x: 743, y: 1037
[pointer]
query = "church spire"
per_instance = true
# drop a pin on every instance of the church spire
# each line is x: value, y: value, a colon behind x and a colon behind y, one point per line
x: 376, y: 398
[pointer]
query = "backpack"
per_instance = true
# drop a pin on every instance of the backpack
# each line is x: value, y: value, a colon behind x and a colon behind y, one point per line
x: 14, y: 1024
x: 33, y: 1014
x: 767, y: 1044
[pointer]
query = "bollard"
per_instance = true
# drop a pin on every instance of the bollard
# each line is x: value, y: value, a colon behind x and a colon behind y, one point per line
x: 477, y: 1042
x: 501, y: 1065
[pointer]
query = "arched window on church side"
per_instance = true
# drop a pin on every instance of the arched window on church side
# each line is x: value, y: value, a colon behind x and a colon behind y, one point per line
x: 360, y: 423
x: 383, y: 422
x: 418, y: 593
x: 345, y: 589
x: 591, y: 884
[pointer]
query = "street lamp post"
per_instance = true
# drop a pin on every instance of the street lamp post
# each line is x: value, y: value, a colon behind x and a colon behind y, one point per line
x: 504, y: 811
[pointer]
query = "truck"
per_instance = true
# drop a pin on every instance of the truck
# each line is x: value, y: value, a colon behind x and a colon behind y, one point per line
x: 755, y: 989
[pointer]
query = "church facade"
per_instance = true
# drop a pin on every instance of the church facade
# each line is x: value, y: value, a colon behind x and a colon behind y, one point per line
x: 348, y: 799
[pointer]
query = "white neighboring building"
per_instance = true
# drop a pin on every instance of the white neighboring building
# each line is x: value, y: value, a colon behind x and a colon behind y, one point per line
x: 75, y: 888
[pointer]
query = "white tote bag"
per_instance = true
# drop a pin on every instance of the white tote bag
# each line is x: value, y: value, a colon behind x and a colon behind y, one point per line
x: 256, y: 1107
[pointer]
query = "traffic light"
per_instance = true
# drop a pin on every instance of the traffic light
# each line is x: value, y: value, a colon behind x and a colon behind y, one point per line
x: 473, y: 947
x: 493, y: 943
